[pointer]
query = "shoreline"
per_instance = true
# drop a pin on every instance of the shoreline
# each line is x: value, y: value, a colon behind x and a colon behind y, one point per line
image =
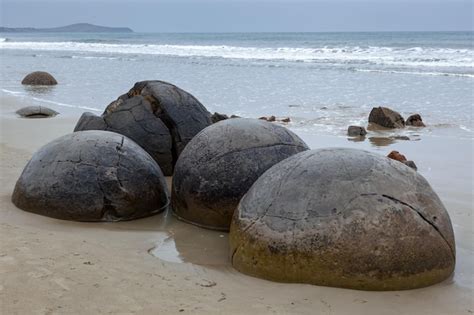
x: 54, y: 266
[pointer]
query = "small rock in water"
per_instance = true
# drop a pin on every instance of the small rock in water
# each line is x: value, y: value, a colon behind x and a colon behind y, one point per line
x: 386, y: 117
x: 234, y: 116
x: 286, y: 120
x: 356, y: 131
x: 269, y: 118
x: 415, y: 121
x: 395, y: 155
x: 218, y: 117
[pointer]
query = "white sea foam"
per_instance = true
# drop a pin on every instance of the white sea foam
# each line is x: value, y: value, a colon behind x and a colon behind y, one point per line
x: 411, y: 57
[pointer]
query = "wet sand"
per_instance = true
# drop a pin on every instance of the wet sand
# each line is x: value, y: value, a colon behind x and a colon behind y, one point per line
x: 159, y: 265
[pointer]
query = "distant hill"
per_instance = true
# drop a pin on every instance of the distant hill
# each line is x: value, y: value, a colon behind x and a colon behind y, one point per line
x: 73, y: 28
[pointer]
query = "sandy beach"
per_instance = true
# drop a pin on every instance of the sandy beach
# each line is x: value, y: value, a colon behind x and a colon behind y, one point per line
x: 160, y: 265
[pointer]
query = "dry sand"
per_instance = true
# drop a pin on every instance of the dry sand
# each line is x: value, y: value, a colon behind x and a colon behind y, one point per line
x: 49, y: 266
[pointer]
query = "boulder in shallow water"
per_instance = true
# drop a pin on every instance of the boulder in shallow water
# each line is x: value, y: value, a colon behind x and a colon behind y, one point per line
x: 386, y: 117
x: 415, y: 120
x: 39, y: 78
x: 218, y: 117
x: 92, y: 176
x: 36, y: 112
x: 343, y: 218
x: 157, y: 115
x: 221, y: 163
x: 356, y: 131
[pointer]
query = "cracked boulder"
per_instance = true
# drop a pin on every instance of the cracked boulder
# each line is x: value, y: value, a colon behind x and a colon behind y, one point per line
x: 386, y: 117
x: 157, y: 115
x: 221, y: 163
x: 36, y: 112
x: 343, y: 218
x: 92, y: 176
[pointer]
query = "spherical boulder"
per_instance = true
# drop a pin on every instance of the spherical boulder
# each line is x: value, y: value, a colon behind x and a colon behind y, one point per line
x: 157, y: 115
x: 39, y: 78
x: 220, y: 164
x: 92, y: 176
x: 343, y: 218
x: 36, y: 112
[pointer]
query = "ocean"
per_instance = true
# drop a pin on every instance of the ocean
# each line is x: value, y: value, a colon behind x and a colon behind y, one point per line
x: 322, y: 81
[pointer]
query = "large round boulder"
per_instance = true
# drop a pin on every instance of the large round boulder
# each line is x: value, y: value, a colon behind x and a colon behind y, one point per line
x: 221, y: 163
x: 343, y: 218
x: 39, y: 78
x: 157, y: 115
x: 92, y: 176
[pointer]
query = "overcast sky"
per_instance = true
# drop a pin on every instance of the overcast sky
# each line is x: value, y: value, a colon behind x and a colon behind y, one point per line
x: 245, y: 16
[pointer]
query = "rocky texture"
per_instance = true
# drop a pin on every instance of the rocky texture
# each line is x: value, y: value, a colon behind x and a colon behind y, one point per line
x: 39, y: 78
x: 36, y: 112
x: 356, y: 131
x: 218, y: 117
x: 415, y: 120
x: 221, y: 163
x: 157, y: 115
x: 411, y: 164
x: 386, y: 117
x: 343, y: 218
x: 92, y: 176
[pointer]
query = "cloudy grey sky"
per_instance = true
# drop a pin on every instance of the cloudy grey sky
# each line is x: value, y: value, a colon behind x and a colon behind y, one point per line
x: 245, y: 16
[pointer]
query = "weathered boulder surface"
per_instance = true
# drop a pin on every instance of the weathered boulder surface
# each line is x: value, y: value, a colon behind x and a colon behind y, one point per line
x: 356, y: 131
x: 343, y: 218
x: 92, y: 176
x: 221, y: 163
x: 386, y: 117
x: 39, y: 78
x: 415, y: 120
x: 36, y: 112
x: 157, y: 115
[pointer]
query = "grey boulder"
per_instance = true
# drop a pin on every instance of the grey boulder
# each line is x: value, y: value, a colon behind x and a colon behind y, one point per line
x: 343, y: 218
x: 92, y: 176
x: 221, y: 163
x: 356, y: 131
x: 386, y: 117
x: 39, y: 78
x: 36, y: 112
x: 157, y: 115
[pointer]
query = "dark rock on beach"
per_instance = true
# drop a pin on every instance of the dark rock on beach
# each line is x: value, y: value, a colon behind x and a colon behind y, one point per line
x: 221, y: 163
x: 218, y: 117
x: 411, y: 164
x: 356, y: 131
x: 92, y: 176
x: 415, y: 121
x: 397, y: 156
x: 269, y: 118
x: 157, y: 115
x: 386, y: 117
x: 36, y: 112
x: 39, y: 78
x: 343, y: 218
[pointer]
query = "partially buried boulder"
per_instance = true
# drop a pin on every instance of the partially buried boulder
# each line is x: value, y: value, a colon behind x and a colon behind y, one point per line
x: 344, y: 218
x: 415, y: 120
x: 157, y: 115
x: 221, y: 163
x: 39, y: 78
x: 92, y: 176
x: 36, y: 112
x: 386, y: 117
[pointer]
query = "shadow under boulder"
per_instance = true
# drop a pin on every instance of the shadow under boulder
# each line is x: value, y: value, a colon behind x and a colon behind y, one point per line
x: 157, y: 115
x: 92, y: 176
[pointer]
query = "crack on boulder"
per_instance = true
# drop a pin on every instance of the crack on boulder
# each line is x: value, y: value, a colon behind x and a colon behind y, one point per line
x: 424, y: 219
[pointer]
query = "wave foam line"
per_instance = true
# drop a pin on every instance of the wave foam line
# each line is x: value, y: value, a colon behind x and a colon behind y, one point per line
x: 415, y: 56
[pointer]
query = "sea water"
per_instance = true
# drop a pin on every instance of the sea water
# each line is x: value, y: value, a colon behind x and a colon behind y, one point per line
x: 322, y: 81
